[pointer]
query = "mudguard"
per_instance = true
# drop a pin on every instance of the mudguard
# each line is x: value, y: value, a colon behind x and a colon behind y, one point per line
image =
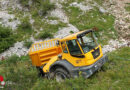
x: 63, y: 63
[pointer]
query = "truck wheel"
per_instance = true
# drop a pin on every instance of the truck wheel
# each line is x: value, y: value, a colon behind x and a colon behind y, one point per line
x: 60, y: 74
x: 40, y: 72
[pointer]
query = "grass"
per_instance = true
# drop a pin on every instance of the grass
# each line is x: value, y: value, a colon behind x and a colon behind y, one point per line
x: 49, y: 29
x: 92, y: 18
x: 28, y: 43
x: 127, y: 7
x: 25, y: 26
x: 44, y: 35
x: 41, y: 7
x: 24, y: 30
x: 7, y: 38
x: 114, y: 75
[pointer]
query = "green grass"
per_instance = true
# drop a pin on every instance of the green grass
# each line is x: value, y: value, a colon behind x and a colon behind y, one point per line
x: 49, y: 29
x: 127, y: 7
x: 7, y: 38
x: 43, y: 35
x: 114, y: 75
x: 25, y: 26
x: 93, y: 18
x: 24, y: 30
x: 28, y: 43
x: 24, y: 3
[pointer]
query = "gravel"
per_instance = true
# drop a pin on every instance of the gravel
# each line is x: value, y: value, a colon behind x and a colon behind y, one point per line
x: 4, y: 20
x: 17, y: 49
x: 81, y: 6
x: 59, y: 13
x: 102, y: 10
x: 114, y: 44
x: 65, y: 31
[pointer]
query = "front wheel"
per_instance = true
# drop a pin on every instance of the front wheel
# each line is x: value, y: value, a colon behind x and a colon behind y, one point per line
x: 60, y: 74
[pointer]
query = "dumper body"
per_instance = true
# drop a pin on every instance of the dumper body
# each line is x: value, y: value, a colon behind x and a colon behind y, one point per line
x: 41, y: 53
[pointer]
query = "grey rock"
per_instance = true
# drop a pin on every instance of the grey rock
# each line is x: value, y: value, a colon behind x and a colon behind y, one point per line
x: 102, y: 10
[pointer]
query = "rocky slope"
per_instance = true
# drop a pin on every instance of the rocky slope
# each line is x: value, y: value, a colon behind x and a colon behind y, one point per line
x: 115, y: 7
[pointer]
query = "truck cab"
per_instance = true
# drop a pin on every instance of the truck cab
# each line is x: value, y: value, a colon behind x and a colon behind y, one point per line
x: 81, y: 49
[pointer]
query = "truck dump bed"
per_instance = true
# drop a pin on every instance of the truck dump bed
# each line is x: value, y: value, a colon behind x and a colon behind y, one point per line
x: 40, y: 53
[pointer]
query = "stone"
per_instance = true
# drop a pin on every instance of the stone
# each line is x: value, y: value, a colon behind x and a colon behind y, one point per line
x: 102, y: 10
x: 81, y: 6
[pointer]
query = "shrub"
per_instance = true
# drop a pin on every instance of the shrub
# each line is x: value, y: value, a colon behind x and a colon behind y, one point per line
x: 44, y: 35
x: 7, y: 38
x: 43, y: 6
x: 11, y: 60
x: 25, y: 26
x: 24, y: 3
x: 46, y: 6
x: 127, y: 7
x: 71, y: 32
x: 28, y: 43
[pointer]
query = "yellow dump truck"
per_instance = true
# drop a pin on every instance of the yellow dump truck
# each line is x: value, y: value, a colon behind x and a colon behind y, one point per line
x: 74, y: 55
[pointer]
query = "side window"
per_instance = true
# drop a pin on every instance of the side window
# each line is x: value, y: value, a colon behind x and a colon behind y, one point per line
x: 64, y: 47
x: 73, y: 47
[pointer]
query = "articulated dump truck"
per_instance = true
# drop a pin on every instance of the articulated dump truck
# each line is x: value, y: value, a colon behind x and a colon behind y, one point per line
x: 74, y: 55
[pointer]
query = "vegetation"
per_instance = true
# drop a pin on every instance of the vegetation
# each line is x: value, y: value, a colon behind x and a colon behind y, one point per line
x: 71, y: 32
x: 25, y: 26
x: 7, y: 38
x: 24, y: 3
x: 28, y: 43
x: 114, y: 75
x: 127, y: 7
x: 38, y: 7
x: 49, y: 30
x: 44, y: 35
x: 93, y: 18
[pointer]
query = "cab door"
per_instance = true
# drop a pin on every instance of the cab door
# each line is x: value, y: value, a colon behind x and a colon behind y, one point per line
x: 72, y: 53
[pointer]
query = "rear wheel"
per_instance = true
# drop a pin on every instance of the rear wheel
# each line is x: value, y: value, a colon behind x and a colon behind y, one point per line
x: 40, y: 72
x: 60, y: 74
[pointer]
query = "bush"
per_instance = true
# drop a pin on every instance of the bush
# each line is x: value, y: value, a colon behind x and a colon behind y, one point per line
x: 24, y: 3
x: 43, y: 6
x: 25, y: 26
x: 44, y: 35
x: 28, y: 43
x: 7, y: 38
x: 46, y: 6
x: 127, y: 7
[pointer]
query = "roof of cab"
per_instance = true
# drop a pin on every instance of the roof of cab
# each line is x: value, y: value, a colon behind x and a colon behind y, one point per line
x: 73, y: 36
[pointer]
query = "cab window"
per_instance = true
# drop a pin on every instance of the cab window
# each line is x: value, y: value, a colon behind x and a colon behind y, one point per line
x: 73, y: 47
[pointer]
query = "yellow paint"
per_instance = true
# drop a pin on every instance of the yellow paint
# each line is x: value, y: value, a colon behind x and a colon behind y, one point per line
x: 51, y: 61
x: 47, y: 53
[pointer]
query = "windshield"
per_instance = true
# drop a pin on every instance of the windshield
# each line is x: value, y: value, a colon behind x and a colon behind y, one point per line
x: 73, y: 47
x: 87, y: 42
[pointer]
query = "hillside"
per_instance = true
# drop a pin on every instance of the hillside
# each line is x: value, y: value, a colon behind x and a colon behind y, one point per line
x: 23, y: 22
x: 19, y: 74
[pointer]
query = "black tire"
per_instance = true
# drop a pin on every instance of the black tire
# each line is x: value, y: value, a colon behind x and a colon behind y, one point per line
x: 59, y: 74
x: 40, y: 72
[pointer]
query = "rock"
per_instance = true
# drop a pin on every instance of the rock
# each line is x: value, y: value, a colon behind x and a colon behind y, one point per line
x: 59, y: 13
x: 81, y: 6
x: 102, y: 10
x: 114, y: 44
x: 17, y: 49
x: 54, y: 22
x: 5, y: 20
x: 66, y: 31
